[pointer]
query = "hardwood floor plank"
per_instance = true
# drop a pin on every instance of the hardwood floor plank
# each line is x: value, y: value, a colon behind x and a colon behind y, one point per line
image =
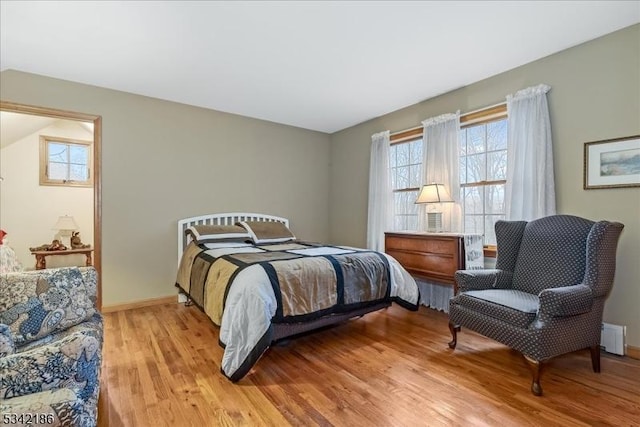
x: 390, y: 368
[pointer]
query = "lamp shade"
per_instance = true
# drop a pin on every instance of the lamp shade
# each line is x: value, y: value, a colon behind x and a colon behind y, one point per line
x: 65, y: 222
x: 433, y: 193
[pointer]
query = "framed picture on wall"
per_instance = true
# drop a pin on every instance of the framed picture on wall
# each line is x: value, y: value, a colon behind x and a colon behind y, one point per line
x: 612, y: 163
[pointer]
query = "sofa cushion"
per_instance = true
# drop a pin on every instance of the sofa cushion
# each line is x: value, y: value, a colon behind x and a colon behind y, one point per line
x: 92, y: 327
x: 36, y: 303
x: 515, y: 307
x: 71, y: 362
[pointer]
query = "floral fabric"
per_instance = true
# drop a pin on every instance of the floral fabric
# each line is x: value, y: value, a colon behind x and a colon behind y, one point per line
x: 7, y: 346
x: 51, y: 408
x: 37, y: 303
x: 58, y: 333
x: 9, y: 260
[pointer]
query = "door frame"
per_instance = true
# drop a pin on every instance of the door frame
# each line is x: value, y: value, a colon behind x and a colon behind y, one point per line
x: 97, y: 171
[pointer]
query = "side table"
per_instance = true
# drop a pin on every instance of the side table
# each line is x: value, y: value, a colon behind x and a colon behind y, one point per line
x: 41, y: 262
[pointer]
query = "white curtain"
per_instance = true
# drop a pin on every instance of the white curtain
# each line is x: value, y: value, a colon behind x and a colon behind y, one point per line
x: 380, y: 192
x: 434, y: 295
x: 441, y: 165
x: 530, y: 188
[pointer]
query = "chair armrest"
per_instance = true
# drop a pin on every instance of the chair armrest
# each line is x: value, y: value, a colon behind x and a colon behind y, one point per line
x: 71, y: 362
x: 468, y: 280
x: 565, y: 301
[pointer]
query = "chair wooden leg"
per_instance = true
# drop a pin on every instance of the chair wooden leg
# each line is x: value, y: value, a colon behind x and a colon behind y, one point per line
x: 536, y: 370
x: 595, y: 357
x: 454, y: 333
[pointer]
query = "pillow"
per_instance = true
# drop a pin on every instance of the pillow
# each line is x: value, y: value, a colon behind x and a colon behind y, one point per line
x: 37, y: 303
x: 217, y: 233
x: 7, y: 345
x: 268, y: 231
x: 224, y: 245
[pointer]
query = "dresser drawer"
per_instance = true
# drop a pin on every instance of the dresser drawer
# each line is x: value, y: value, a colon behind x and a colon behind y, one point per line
x: 428, y: 256
x: 431, y: 245
x: 441, y: 266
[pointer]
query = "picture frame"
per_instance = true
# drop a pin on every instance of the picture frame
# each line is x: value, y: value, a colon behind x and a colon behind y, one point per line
x: 612, y: 163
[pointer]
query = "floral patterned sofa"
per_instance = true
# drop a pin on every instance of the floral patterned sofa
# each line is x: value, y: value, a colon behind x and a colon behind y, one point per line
x: 50, y: 347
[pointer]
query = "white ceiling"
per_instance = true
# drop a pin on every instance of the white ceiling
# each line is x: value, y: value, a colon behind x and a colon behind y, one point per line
x: 317, y: 65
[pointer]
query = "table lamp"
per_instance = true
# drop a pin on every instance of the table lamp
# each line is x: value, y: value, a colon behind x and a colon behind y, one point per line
x: 434, y: 194
x: 65, y: 226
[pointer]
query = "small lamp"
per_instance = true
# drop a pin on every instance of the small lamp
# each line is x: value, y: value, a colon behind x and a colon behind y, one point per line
x: 66, y: 225
x: 434, y: 193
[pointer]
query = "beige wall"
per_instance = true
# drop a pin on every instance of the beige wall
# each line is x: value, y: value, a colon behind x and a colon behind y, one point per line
x: 595, y: 95
x: 28, y: 211
x: 163, y: 161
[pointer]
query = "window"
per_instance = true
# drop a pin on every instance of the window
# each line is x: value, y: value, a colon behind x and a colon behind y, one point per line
x: 483, y: 172
x: 65, y: 162
x: 405, y: 162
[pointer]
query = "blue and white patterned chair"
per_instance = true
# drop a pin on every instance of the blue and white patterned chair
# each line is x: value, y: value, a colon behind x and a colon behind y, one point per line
x: 545, y: 297
x: 50, y: 347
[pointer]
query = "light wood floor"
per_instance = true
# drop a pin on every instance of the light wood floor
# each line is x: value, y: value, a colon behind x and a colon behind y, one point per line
x: 390, y: 368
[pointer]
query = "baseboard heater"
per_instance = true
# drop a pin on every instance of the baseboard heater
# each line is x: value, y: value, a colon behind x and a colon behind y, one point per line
x: 612, y: 338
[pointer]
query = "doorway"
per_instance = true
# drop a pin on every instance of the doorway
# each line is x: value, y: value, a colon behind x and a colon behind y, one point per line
x: 96, y: 124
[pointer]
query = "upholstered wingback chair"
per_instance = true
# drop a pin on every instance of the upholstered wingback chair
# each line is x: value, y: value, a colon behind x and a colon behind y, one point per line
x: 50, y: 347
x: 546, y: 295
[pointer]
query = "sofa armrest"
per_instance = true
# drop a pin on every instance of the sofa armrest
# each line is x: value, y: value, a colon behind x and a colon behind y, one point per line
x: 71, y: 362
x: 565, y: 301
x: 468, y: 280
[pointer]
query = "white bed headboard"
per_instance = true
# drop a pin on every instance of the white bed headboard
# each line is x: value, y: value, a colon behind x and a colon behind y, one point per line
x: 219, y: 219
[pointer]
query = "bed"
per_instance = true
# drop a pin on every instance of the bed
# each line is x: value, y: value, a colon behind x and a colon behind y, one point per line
x: 260, y: 284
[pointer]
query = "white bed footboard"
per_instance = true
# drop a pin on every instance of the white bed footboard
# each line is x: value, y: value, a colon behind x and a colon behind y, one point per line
x: 219, y: 219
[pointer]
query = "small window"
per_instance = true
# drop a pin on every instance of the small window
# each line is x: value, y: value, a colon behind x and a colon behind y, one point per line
x: 65, y: 161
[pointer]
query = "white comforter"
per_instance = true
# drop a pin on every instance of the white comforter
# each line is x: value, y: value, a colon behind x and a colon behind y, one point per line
x: 251, y: 304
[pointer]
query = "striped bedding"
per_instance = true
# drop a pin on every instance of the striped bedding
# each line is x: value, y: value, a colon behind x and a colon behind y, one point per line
x: 245, y: 289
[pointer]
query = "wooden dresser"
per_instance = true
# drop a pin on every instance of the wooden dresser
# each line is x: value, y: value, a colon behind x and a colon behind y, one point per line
x: 431, y: 256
